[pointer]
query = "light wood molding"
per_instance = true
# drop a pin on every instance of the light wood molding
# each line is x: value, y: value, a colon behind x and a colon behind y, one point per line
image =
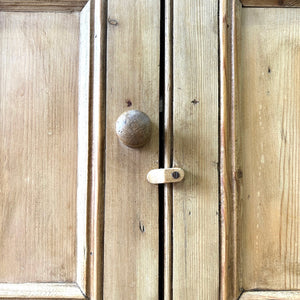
x: 41, y: 291
x: 229, y: 29
x: 271, y: 3
x: 274, y: 295
x: 96, y: 174
x: 42, y: 5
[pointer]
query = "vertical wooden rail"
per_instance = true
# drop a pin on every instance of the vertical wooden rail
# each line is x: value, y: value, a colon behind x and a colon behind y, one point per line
x: 97, y: 146
x: 131, y: 203
x: 229, y: 147
x: 168, y: 156
x: 195, y: 126
x: 225, y: 74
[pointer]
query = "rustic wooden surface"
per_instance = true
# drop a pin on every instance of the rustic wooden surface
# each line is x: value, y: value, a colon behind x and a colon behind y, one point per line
x: 96, y: 174
x: 38, y: 125
x: 195, y: 200
x: 229, y: 147
x: 131, y: 203
x: 270, y: 109
x: 83, y: 145
x: 271, y: 3
x: 41, y: 291
x: 168, y: 150
x: 42, y: 5
x: 274, y: 295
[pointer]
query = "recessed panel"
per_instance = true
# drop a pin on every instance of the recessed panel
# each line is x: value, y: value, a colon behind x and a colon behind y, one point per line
x: 39, y: 55
x: 269, y: 175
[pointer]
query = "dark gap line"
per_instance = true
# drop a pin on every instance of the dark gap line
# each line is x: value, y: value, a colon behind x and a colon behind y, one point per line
x: 103, y: 106
x: 172, y: 89
x: 172, y: 66
x: 161, y: 151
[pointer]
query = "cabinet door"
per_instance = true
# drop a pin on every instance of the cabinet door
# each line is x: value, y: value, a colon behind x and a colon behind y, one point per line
x: 260, y: 104
x: 162, y: 242
x: 47, y: 107
x: 131, y: 236
x: 195, y: 149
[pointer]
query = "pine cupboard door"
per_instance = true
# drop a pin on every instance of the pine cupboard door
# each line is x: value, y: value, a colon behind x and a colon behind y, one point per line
x: 259, y: 100
x: 50, y: 133
x: 162, y: 242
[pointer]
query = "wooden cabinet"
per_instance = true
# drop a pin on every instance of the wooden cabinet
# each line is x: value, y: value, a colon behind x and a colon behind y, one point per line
x: 219, y: 81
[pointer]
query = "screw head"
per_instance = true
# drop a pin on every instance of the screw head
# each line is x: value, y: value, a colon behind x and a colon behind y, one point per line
x: 175, y: 175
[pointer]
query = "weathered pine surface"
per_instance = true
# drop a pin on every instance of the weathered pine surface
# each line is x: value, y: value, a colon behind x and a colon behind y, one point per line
x: 269, y: 219
x: 38, y: 146
x: 274, y: 295
x: 42, y: 5
x: 271, y: 3
x: 195, y: 123
x: 131, y: 203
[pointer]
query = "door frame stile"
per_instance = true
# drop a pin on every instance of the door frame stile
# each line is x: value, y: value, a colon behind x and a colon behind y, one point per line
x: 96, y: 169
x: 229, y: 171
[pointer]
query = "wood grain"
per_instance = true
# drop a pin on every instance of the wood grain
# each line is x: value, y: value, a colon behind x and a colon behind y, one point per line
x: 195, y: 123
x: 131, y: 203
x: 230, y: 12
x: 270, y: 109
x: 271, y: 3
x: 40, y: 291
x: 168, y: 149
x: 133, y: 128
x: 83, y: 146
x: 274, y: 295
x: 96, y: 173
x: 42, y: 5
x: 38, y: 146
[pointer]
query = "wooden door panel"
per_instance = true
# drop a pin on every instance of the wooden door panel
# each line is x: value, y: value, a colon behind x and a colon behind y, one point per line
x: 260, y: 142
x: 195, y: 149
x: 44, y: 113
x: 131, y: 203
x: 269, y: 93
x: 38, y: 146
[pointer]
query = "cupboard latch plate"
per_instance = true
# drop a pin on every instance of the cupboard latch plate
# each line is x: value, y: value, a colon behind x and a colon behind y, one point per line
x: 168, y: 175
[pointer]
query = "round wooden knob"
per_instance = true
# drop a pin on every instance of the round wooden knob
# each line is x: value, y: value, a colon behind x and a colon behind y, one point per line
x: 133, y: 128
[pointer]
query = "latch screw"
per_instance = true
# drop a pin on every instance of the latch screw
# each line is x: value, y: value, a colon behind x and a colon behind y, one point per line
x: 175, y: 175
